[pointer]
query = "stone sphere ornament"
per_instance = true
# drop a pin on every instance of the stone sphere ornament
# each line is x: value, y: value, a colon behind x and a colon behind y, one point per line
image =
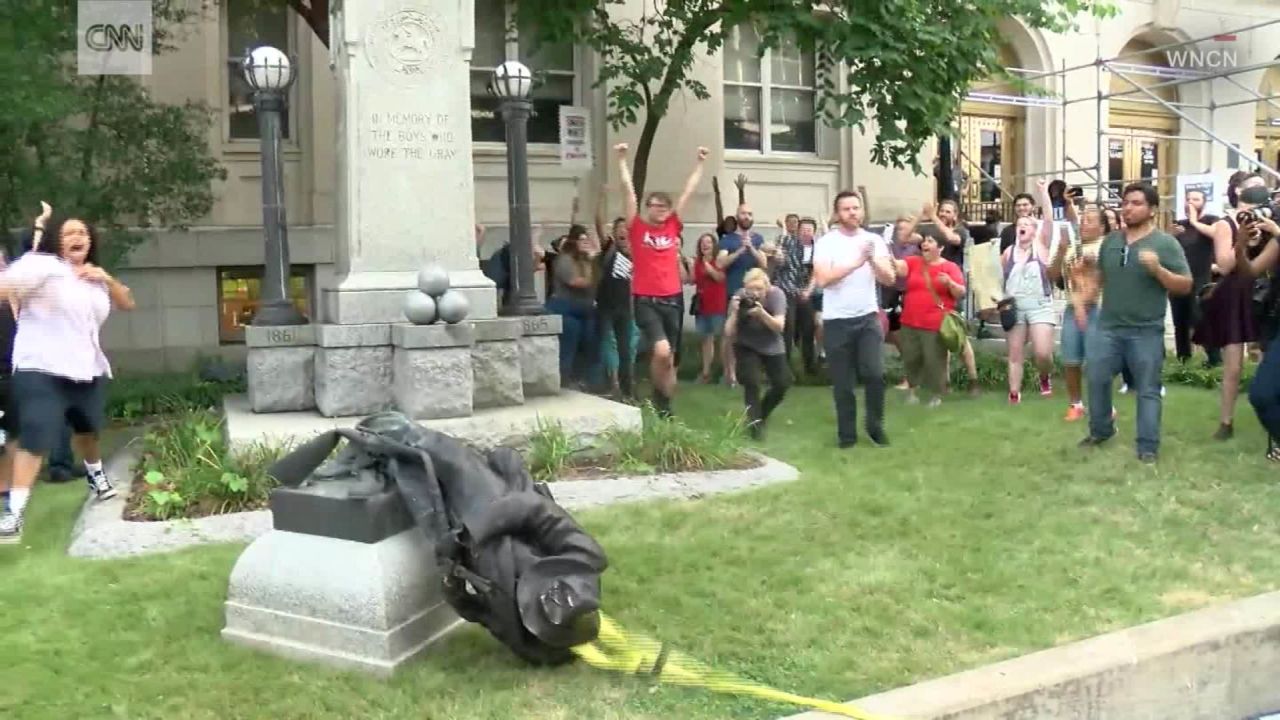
x: 420, y: 308
x: 453, y: 307
x: 433, y: 280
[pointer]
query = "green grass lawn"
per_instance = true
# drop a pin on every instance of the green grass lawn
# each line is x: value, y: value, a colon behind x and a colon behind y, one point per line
x: 982, y: 534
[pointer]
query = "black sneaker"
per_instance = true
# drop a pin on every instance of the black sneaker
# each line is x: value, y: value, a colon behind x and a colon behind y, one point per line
x: 756, y: 430
x: 1093, y: 442
x: 878, y: 438
x: 1226, y: 431
x: 100, y: 485
x: 10, y: 528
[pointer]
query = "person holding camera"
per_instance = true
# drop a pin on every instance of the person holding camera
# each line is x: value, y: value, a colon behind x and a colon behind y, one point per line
x: 1264, y: 390
x: 1228, y: 319
x: 757, y: 319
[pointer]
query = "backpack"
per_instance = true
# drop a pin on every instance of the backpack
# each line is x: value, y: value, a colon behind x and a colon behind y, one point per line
x: 510, y: 558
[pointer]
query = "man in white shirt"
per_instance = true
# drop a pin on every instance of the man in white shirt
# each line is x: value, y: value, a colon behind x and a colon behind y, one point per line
x: 847, y: 263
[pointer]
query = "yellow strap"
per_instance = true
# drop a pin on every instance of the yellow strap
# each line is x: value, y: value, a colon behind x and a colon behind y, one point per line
x: 615, y: 649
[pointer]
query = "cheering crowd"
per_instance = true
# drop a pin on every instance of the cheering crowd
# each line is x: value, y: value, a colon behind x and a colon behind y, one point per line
x: 839, y: 292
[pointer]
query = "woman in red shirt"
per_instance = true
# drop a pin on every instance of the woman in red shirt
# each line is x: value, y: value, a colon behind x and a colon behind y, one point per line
x: 713, y: 303
x: 933, y: 285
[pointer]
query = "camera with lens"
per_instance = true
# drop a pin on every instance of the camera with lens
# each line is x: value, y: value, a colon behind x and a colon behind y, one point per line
x: 1263, y: 208
x: 745, y: 306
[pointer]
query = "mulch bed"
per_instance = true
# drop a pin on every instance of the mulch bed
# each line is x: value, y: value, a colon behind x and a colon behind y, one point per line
x: 138, y: 490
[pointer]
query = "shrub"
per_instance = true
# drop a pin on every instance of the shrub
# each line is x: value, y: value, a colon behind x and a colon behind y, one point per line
x: 661, y: 445
x: 187, y: 470
x: 135, y: 397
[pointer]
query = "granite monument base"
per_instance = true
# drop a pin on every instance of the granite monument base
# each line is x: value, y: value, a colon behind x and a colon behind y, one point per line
x: 351, y: 583
x: 378, y: 297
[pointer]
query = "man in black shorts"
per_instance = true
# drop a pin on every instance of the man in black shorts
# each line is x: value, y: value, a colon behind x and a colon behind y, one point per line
x: 657, y: 278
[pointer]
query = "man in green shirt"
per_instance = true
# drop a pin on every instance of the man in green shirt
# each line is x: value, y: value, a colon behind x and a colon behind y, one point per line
x: 1138, y: 268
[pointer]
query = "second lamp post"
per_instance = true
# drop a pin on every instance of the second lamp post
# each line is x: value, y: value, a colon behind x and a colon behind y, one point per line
x: 512, y: 83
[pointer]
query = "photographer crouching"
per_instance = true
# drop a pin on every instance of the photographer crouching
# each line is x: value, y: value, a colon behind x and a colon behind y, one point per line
x: 755, y: 326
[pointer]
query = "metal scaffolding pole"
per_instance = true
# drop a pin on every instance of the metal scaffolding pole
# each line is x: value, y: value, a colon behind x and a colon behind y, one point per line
x: 1181, y: 81
x: 1270, y: 101
x: 1159, y: 48
x: 1185, y: 117
x: 1097, y: 74
x: 1252, y: 101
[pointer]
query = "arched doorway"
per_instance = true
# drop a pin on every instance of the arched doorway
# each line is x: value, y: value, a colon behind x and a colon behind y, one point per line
x: 1266, y: 138
x: 990, y: 144
x: 1137, y: 148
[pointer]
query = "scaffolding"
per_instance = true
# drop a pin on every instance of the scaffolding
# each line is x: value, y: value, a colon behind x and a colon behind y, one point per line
x: 1055, y: 98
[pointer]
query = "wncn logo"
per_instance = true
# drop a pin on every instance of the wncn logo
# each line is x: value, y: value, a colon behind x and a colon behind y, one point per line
x: 1221, y: 54
x: 113, y: 37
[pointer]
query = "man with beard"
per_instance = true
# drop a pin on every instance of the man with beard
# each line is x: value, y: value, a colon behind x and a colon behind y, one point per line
x: 847, y: 262
x: 1137, y: 269
x: 740, y: 252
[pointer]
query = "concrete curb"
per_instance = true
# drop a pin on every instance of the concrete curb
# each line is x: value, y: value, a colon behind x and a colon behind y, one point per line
x: 1213, y: 664
x: 102, y: 532
x: 578, y: 494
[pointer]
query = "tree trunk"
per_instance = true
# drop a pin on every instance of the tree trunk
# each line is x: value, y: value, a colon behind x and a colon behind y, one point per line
x: 639, y: 173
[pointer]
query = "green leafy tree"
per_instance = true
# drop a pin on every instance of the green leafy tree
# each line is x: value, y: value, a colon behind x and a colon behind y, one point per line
x: 904, y: 63
x: 98, y: 146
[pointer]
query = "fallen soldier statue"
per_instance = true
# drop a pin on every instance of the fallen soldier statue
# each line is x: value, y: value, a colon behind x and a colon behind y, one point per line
x: 510, y: 558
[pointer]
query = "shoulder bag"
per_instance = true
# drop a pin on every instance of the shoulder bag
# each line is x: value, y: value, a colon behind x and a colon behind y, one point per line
x: 954, y: 330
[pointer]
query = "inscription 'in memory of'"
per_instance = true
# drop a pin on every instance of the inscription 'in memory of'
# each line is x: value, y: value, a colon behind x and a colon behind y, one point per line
x: 411, y: 136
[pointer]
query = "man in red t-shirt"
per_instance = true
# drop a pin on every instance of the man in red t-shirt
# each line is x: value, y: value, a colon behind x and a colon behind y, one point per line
x: 657, y: 275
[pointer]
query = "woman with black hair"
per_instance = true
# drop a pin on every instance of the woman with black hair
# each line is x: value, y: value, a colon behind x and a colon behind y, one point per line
x: 572, y: 290
x: 62, y: 298
x: 1227, y: 318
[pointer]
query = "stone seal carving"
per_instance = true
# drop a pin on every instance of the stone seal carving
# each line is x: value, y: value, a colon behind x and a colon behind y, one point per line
x: 403, y: 46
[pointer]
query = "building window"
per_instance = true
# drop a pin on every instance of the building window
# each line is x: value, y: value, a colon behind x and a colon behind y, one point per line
x: 769, y: 99
x: 553, y: 68
x: 239, y: 291
x: 251, y: 24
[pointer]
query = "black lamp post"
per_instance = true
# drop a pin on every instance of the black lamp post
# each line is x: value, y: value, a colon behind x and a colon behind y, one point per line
x: 512, y: 83
x: 270, y: 73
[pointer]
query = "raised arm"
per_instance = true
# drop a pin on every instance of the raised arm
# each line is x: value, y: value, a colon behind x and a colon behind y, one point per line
x: 715, y: 191
x: 1267, y: 259
x: 690, y: 185
x: 630, y: 205
x: 602, y: 199
x: 1045, y: 237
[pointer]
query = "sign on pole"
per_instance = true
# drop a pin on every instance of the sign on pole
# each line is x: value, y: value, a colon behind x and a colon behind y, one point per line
x: 1213, y: 187
x: 575, y: 137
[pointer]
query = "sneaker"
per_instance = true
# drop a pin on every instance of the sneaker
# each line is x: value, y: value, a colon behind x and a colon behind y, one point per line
x: 1075, y: 413
x: 934, y: 403
x: 1046, y: 386
x: 10, y: 529
x: 100, y: 485
x: 756, y: 430
x: 1124, y: 389
x: 1148, y: 458
x: 1162, y: 390
x: 1093, y: 442
x: 878, y: 438
x: 1015, y: 398
x: 1225, y: 432
x: 1273, y: 450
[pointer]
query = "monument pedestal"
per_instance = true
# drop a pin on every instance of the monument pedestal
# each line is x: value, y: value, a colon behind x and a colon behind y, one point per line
x: 378, y: 297
x: 368, y: 599
x: 281, y: 368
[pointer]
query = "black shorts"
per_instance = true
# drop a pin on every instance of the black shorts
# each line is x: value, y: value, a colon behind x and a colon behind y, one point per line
x: 659, y: 318
x: 45, y: 404
x: 9, y: 421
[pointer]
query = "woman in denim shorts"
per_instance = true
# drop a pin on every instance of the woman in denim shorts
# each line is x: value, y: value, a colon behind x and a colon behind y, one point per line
x: 1078, y: 320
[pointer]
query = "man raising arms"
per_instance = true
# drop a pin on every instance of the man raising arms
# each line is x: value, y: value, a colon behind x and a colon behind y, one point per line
x: 656, y: 283
x: 847, y: 262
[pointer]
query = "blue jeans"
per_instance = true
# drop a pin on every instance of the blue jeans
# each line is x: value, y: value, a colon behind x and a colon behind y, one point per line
x: 1073, y: 338
x: 578, y: 347
x: 1264, y: 390
x: 1142, y: 352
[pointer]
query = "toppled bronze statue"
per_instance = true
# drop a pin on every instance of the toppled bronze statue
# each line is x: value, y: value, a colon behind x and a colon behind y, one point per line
x: 511, y: 559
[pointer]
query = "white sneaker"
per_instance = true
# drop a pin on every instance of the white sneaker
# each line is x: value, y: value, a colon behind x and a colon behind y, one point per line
x: 1124, y: 389
x: 10, y: 528
x: 100, y: 485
